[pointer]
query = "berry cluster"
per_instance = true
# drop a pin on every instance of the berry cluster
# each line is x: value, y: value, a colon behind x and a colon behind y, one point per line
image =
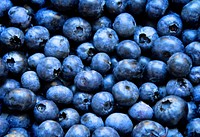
x: 99, y: 68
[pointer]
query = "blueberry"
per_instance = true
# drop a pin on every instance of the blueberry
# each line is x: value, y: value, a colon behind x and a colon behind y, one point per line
x: 20, y: 99
x: 124, y: 24
x: 77, y: 29
x: 88, y: 81
x: 3, y: 70
x: 101, y: 63
x: 128, y: 49
x: 148, y: 128
x: 179, y: 65
x: 105, y: 40
x: 115, y: 7
x: 190, y: 13
x: 136, y: 7
x: 125, y: 93
x: 120, y: 122
x: 102, y: 103
x: 50, y: 128
x: 36, y: 37
x: 192, y: 128
x: 196, y: 94
x: 7, y: 86
x: 49, y: 68
x: 38, y: 3
x: 20, y: 132
x: 108, y: 82
x: 189, y: 35
x: 78, y: 130
x: 156, y: 71
x: 170, y: 24
x: 19, y: 17
x: 16, y: 62
x: 149, y: 92
x: 91, y: 121
x: 194, y: 75
x: 140, y: 111
x: 180, y: 87
x: 68, y: 117
x: 2, y: 28
x: 170, y: 110
x: 4, y: 7
x: 101, y: 22
x: 59, y: 94
x: 145, y: 37
x: 57, y: 46
x: 19, y: 120
x: 193, y: 50
x: 105, y: 132
x: 192, y: 110
x: 50, y: 19
x: 156, y: 8
x: 165, y: 46
x: 65, y: 5
x: 128, y: 69
x: 30, y: 80
x: 4, y: 126
x: 173, y: 132
x: 85, y: 51
x: 91, y: 8
x: 71, y: 66
x: 34, y: 59
x: 45, y: 110
x: 143, y: 61
x: 82, y: 101
x: 12, y: 38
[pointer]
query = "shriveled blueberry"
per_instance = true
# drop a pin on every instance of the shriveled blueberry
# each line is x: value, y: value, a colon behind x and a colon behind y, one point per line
x: 102, y: 103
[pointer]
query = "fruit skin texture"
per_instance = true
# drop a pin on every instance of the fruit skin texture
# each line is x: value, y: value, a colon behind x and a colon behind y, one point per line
x: 49, y: 128
x: 4, y: 126
x: 78, y: 130
x: 120, y: 122
x: 179, y: 65
x: 148, y: 128
x: 170, y: 110
x: 124, y: 24
x: 189, y: 35
x: 20, y: 99
x: 5, y: 6
x: 105, y: 132
x: 192, y: 128
x: 125, y: 93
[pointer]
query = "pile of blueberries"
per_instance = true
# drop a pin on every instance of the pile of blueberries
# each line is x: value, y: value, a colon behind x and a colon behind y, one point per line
x: 99, y: 68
